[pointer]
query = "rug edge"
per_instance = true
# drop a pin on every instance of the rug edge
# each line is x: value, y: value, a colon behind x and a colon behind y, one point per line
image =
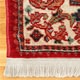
x: 55, y: 67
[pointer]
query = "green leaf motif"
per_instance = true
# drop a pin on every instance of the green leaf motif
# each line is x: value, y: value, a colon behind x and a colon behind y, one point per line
x: 70, y: 40
x: 28, y: 9
x: 27, y: 21
x: 72, y: 20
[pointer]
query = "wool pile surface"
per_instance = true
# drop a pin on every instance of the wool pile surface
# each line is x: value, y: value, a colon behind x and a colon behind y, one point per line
x: 43, y: 38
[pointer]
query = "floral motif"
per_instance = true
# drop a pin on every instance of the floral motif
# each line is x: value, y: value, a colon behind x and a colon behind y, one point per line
x: 35, y: 20
x: 50, y: 4
x: 61, y: 35
x: 36, y: 35
x: 76, y: 29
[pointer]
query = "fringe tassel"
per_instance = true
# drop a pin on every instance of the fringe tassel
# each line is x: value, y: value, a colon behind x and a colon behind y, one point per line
x: 40, y: 67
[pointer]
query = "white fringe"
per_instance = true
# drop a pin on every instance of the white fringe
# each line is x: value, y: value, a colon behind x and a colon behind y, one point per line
x: 40, y: 67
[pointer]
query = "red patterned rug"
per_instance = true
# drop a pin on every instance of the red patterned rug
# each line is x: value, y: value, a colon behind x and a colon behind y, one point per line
x: 43, y: 38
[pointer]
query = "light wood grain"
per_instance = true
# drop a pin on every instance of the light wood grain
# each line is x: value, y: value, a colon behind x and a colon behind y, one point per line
x: 3, y: 49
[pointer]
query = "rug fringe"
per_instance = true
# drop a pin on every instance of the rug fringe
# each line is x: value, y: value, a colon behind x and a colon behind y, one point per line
x: 40, y: 67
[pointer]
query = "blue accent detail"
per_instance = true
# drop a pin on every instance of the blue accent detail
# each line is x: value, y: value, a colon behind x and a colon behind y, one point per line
x: 77, y: 15
x: 74, y: 2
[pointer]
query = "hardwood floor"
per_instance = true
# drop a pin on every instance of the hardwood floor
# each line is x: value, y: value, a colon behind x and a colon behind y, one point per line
x: 3, y: 49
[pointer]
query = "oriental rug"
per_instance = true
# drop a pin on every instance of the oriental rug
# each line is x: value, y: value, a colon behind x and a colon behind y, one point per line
x: 43, y: 38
